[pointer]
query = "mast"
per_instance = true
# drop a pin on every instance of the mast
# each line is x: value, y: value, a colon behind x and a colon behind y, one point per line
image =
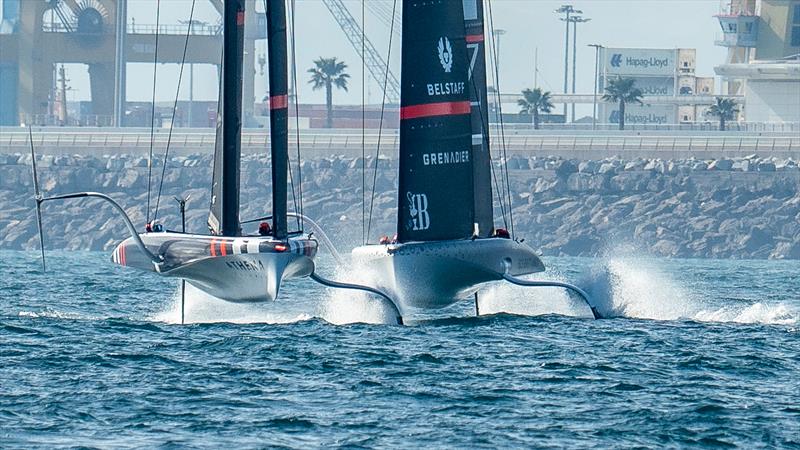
x: 224, y: 215
x: 436, y: 196
x: 481, y: 156
x: 279, y: 112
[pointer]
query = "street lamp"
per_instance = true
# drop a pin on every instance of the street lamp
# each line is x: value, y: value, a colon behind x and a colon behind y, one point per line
x: 597, y: 48
x: 192, y: 23
x: 567, y: 10
x: 575, y: 21
x: 497, y: 34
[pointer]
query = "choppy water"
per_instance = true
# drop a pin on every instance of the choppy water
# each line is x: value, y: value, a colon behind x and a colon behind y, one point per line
x: 700, y: 353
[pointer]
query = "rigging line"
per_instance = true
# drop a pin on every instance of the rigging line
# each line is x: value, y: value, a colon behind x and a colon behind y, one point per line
x: 499, y: 196
x: 380, y: 123
x: 297, y: 117
x: 380, y: 8
x: 174, y: 109
x: 486, y: 131
x: 153, y: 114
x: 297, y: 206
x: 363, y: 125
x: 379, y: 14
x: 502, y: 127
x: 500, y: 188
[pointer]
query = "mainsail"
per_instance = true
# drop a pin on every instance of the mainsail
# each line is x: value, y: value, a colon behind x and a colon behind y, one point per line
x: 481, y: 158
x: 436, y: 195
x: 223, y: 218
x: 279, y: 112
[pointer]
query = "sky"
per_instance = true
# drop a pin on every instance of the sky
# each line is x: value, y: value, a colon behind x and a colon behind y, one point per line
x: 531, y: 26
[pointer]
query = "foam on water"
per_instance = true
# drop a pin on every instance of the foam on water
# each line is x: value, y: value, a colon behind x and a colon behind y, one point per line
x: 345, y: 306
x: 638, y: 288
x: 502, y: 297
x: 619, y: 287
x: 201, y: 307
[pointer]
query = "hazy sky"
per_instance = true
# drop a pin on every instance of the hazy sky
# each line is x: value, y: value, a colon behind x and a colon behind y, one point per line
x: 530, y: 25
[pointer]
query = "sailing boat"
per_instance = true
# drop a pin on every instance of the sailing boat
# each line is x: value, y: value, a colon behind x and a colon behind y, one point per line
x: 446, y: 245
x: 227, y: 264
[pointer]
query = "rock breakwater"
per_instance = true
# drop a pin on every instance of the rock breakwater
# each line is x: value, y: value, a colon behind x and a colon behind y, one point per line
x: 724, y: 208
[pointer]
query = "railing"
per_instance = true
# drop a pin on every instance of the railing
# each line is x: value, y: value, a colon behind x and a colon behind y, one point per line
x: 667, y: 146
x: 135, y: 28
x: 754, y: 127
x: 197, y: 29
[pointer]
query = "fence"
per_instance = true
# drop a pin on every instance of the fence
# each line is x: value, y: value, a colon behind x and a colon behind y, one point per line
x: 589, y: 146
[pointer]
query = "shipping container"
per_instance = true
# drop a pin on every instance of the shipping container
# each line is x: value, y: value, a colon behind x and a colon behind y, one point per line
x: 687, y: 61
x: 705, y: 86
x: 650, y: 86
x: 639, y: 114
x: 639, y: 61
x: 687, y: 85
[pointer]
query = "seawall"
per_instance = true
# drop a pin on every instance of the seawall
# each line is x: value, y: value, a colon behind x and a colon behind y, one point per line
x: 724, y: 208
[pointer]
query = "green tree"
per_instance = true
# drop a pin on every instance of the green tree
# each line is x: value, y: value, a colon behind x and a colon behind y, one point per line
x: 725, y: 109
x: 622, y: 91
x: 533, y: 102
x: 327, y: 73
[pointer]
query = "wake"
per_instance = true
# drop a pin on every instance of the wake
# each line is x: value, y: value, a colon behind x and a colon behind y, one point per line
x: 639, y: 288
x: 627, y: 287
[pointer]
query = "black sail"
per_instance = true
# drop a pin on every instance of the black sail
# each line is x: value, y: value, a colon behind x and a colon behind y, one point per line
x: 279, y: 112
x: 223, y: 218
x: 481, y: 157
x: 436, y: 198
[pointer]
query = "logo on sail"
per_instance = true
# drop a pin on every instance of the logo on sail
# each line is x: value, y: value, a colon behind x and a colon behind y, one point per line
x: 418, y: 208
x: 445, y: 54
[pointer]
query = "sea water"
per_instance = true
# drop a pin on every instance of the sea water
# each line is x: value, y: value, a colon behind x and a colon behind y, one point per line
x: 694, y: 353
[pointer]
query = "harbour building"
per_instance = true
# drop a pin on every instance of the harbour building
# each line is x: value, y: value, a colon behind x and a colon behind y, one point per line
x: 763, y: 60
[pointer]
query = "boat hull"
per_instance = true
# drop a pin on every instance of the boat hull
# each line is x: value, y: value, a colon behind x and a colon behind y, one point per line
x: 246, y: 269
x: 432, y: 275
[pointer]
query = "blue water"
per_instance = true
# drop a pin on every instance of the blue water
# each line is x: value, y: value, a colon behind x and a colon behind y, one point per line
x: 699, y: 353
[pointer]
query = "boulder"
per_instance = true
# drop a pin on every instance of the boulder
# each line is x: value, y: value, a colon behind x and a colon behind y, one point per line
x: 721, y: 164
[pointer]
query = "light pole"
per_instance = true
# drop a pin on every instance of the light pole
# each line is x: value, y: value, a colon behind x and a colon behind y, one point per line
x: 192, y: 23
x: 567, y: 10
x: 498, y: 33
x: 575, y: 21
x: 597, y: 48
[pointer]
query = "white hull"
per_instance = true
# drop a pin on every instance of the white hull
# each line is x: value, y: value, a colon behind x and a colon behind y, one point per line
x: 245, y: 278
x: 433, y: 275
x: 245, y: 269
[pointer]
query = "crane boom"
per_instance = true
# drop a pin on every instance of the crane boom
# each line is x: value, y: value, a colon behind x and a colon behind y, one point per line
x: 372, y: 59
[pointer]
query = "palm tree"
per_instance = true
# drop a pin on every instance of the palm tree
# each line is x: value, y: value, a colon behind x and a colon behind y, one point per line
x: 725, y: 109
x: 533, y: 102
x: 622, y: 91
x: 327, y: 73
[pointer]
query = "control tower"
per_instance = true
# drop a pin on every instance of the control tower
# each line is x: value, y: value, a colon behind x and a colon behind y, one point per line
x: 38, y: 35
x: 739, y: 22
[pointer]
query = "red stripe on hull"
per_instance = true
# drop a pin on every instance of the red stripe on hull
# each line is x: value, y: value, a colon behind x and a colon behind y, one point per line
x: 472, y: 38
x: 213, y: 247
x: 434, y: 110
